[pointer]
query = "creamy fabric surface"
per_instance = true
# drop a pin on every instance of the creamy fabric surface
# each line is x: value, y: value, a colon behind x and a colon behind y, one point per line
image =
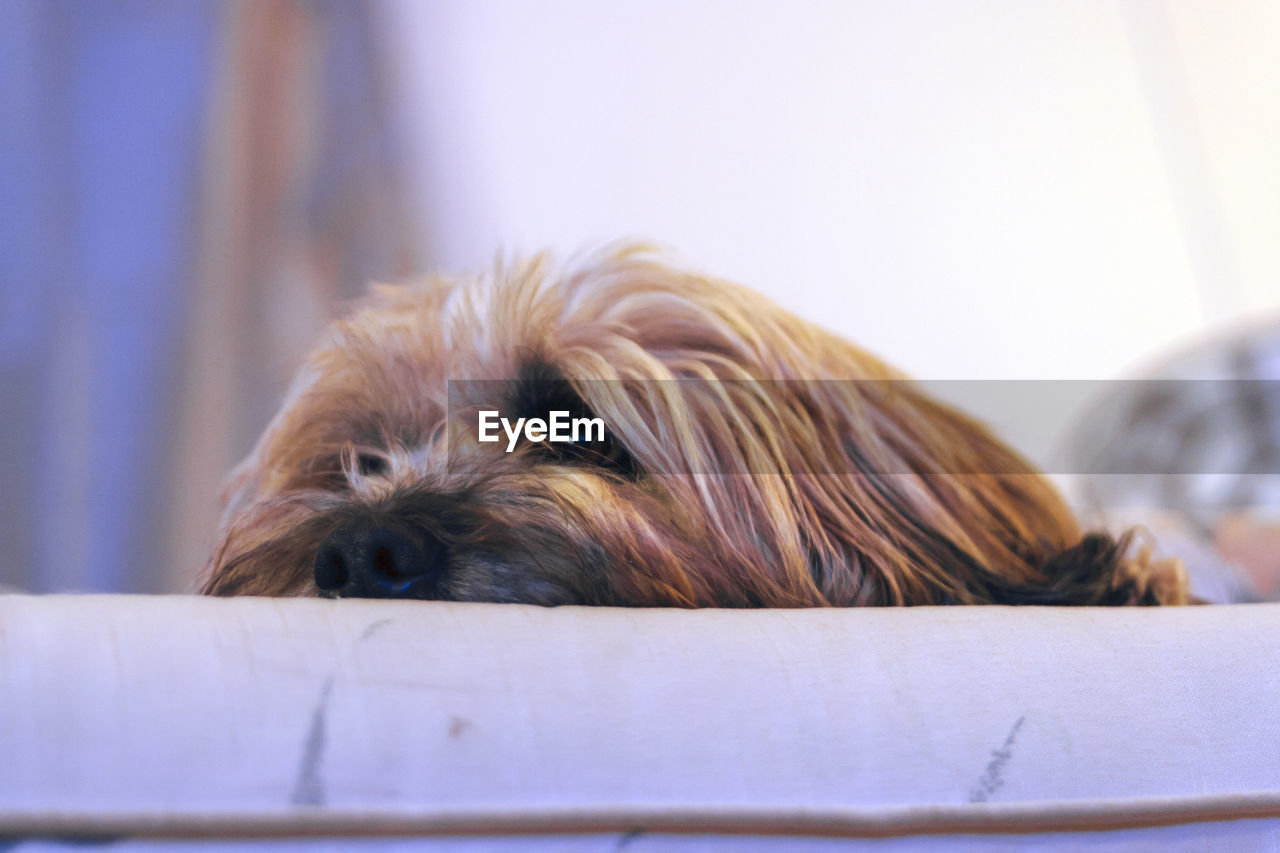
x: 138, y: 717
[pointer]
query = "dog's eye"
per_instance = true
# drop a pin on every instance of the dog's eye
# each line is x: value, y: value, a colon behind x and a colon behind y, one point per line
x: 608, y: 454
x: 541, y: 389
x: 371, y: 465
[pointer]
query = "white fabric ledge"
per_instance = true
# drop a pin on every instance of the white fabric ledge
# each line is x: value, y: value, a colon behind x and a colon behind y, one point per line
x: 180, y: 717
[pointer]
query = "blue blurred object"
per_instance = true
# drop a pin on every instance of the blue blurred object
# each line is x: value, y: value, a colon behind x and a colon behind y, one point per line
x: 103, y: 106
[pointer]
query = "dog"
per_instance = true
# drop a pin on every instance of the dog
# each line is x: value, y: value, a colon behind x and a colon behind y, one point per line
x: 731, y: 455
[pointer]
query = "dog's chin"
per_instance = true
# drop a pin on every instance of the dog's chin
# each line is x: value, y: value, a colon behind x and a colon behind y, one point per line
x: 493, y: 578
x: 468, y: 578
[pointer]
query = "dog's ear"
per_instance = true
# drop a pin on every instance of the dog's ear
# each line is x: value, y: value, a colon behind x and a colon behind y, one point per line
x: 1102, y: 570
x: 239, y: 489
x: 245, y: 482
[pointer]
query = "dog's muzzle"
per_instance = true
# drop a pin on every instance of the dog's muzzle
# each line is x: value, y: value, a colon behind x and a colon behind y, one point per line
x: 366, y: 559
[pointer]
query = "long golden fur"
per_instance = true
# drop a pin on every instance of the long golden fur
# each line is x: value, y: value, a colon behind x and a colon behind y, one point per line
x: 736, y: 474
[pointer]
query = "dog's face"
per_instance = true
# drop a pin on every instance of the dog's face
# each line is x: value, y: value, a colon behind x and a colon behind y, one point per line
x: 727, y: 472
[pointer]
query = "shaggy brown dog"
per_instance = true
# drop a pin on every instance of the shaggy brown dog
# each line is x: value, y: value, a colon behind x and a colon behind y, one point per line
x: 749, y: 459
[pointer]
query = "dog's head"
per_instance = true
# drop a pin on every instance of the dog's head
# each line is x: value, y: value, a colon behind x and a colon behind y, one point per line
x: 744, y: 457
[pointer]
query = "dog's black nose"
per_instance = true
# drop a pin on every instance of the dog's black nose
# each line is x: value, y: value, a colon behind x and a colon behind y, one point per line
x: 370, y: 560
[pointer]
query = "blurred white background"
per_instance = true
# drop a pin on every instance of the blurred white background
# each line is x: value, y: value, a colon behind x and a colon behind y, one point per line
x: 977, y: 190
x: 990, y: 189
